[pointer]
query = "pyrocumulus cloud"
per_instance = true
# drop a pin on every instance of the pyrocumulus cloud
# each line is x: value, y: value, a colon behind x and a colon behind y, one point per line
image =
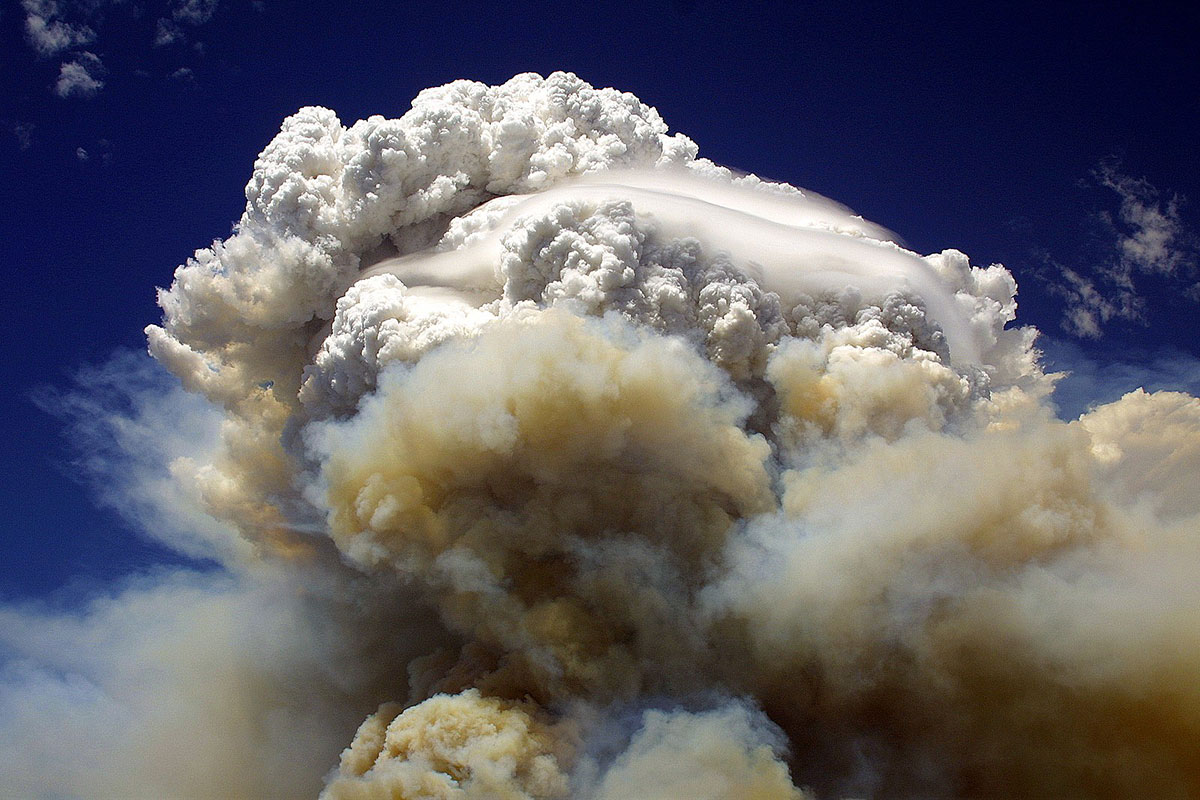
x: 564, y: 463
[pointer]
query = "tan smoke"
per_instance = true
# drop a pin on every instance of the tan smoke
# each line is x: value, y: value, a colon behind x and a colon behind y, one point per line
x: 1010, y: 632
x: 622, y: 476
x: 1148, y: 450
x: 723, y: 754
x: 505, y: 474
x: 462, y: 746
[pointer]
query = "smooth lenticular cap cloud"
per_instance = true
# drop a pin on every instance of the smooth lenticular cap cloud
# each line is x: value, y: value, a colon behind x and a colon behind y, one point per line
x: 790, y: 243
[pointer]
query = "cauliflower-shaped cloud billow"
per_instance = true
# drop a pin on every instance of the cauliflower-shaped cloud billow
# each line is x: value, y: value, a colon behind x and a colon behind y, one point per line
x: 676, y: 481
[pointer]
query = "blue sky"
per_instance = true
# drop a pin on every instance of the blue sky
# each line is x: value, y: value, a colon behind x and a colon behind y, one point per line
x: 1044, y: 139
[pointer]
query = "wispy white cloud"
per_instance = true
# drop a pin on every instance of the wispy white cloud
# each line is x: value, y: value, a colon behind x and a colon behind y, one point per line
x: 1150, y: 236
x: 193, y: 12
x: 81, y: 77
x: 1089, y: 307
x: 1144, y: 237
x: 48, y: 34
x: 167, y: 32
x: 169, y: 28
x: 64, y: 27
x: 135, y: 437
x: 24, y: 133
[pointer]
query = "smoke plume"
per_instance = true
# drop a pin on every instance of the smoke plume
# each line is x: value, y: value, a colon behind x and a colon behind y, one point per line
x: 566, y: 463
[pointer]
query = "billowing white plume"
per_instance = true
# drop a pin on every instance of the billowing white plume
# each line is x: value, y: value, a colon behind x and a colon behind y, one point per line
x: 619, y: 475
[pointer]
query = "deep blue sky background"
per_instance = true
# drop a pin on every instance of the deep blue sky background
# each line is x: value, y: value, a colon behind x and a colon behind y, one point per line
x: 966, y: 126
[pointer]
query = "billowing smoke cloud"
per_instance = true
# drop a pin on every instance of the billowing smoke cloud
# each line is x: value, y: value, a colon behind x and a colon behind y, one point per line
x: 594, y: 470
